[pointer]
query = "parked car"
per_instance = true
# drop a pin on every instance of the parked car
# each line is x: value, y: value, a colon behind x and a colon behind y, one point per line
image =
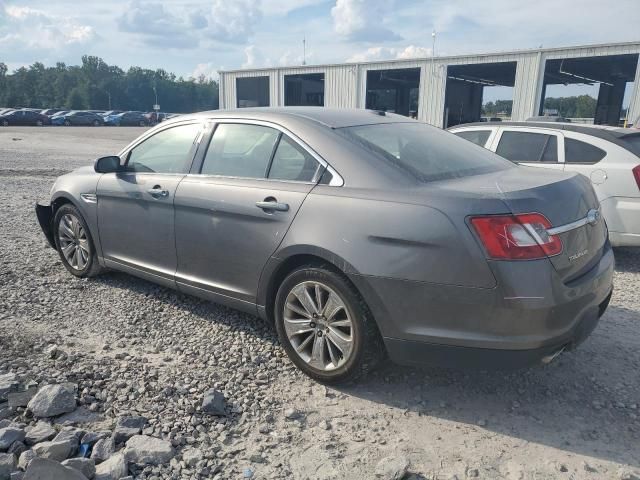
x: 126, y: 119
x: 78, y: 117
x: 59, y: 114
x: 356, y: 232
x: 4, y: 111
x: 24, y: 117
x: 50, y: 111
x: 609, y: 157
x: 548, y: 118
x: 111, y: 112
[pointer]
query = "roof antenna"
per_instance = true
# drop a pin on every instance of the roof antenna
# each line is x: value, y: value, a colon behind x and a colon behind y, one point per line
x: 304, y: 50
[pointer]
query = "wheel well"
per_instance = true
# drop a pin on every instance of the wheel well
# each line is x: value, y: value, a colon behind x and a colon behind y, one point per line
x: 57, y: 203
x: 289, y: 265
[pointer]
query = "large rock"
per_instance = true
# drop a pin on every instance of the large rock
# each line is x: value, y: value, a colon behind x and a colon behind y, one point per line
x: 8, y: 384
x: 127, y: 427
x: 91, y: 438
x: 43, y: 469
x: 40, y: 432
x: 53, y: 450
x: 7, y: 465
x: 102, y: 450
x: 191, y: 457
x: 86, y: 466
x: 17, y: 448
x: 71, y: 437
x: 148, y: 450
x: 112, y: 469
x: 25, y: 458
x: 52, y: 400
x: 392, y: 468
x: 9, y: 435
x: 214, y: 402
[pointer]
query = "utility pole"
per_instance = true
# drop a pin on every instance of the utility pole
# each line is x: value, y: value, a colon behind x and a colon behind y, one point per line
x: 304, y: 50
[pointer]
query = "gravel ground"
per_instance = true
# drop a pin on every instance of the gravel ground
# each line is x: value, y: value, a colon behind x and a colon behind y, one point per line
x: 134, y: 348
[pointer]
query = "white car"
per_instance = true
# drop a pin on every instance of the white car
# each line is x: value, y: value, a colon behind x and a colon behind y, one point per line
x: 609, y: 156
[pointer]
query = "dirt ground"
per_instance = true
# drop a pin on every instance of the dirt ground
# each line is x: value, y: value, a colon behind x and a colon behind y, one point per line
x: 577, y: 418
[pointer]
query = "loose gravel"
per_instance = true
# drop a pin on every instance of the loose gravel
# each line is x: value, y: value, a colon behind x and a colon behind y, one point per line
x: 139, y: 360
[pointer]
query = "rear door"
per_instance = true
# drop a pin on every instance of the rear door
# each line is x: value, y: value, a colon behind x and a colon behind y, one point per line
x: 233, y: 211
x: 533, y: 147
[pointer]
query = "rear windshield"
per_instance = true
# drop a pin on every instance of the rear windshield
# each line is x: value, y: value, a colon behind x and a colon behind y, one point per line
x: 632, y: 143
x: 427, y: 152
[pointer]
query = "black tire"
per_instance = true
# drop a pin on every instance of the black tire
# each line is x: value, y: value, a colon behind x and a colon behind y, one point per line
x: 141, y: 123
x: 92, y: 267
x: 368, y: 349
x: 67, y: 123
x: 39, y: 123
x: 5, y: 123
x: 96, y: 123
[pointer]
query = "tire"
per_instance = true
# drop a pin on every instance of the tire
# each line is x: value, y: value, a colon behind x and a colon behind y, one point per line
x: 141, y: 123
x: 333, y: 364
x: 96, y: 123
x: 5, y: 123
x: 39, y: 123
x: 67, y: 123
x: 72, y: 237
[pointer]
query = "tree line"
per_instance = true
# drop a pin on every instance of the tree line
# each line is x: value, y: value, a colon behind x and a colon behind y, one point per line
x: 95, y: 85
x: 580, y: 106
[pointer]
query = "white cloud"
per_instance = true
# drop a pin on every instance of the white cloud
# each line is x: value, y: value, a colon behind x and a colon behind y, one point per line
x: 157, y: 25
x: 250, y: 52
x: 233, y: 20
x: 32, y: 29
x: 206, y: 70
x: 386, y: 53
x: 363, y: 20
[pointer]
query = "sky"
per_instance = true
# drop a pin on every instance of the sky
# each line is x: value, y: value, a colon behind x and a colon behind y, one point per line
x: 200, y: 37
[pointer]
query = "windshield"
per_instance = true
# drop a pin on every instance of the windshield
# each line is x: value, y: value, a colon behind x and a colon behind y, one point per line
x: 427, y: 152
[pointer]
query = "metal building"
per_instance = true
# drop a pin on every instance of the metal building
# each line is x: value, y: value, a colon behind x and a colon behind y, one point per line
x: 445, y: 91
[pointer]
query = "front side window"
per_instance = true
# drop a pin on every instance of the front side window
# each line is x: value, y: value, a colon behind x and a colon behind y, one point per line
x: 479, y: 137
x: 528, y: 147
x: 240, y: 150
x: 168, y: 151
x: 292, y: 162
x: 427, y: 152
x: 576, y: 151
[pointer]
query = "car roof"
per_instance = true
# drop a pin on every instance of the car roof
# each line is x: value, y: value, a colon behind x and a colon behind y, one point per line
x: 605, y: 132
x: 329, y: 117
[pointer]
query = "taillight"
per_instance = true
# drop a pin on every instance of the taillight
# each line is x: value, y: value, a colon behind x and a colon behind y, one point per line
x: 636, y: 175
x: 517, y: 237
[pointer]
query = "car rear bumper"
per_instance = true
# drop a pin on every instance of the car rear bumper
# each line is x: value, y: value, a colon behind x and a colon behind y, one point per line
x: 44, y: 214
x: 623, y: 220
x: 508, y: 326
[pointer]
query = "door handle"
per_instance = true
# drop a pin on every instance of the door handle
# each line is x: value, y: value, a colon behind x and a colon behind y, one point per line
x: 270, y: 204
x: 158, y: 192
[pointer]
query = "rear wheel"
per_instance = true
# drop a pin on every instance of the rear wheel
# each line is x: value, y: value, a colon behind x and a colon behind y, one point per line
x: 325, y: 326
x: 74, y: 242
x: 5, y: 123
x: 141, y: 123
x: 96, y: 123
x: 67, y: 123
x: 39, y: 123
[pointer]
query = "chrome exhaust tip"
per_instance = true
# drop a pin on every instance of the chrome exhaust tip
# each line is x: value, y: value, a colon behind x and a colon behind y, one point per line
x: 550, y: 358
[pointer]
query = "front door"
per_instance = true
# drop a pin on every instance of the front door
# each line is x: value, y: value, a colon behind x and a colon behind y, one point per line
x: 233, y: 213
x: 135, y: 207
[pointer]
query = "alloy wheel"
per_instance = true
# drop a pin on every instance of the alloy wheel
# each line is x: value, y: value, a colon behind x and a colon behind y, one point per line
x: 318, y: 325
x: 73, y: 242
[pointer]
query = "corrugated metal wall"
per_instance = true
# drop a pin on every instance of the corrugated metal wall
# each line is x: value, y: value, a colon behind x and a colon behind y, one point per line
x: 345, y: 85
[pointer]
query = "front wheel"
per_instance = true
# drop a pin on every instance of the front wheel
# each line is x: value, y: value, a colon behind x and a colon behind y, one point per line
x: 141, y: 123
x: 325, y: 326
x: 74, y: 242
x: 5, y: 123
x: 96, y: 123
x: 67, y: 123
x: 39, y: 123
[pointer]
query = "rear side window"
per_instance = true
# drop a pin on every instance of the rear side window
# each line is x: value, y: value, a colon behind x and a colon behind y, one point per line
x: 168, y: 151
x: 632, y: 143
x: 528, y: 147
x: 576, y: 151
x: 240, y: 150
x: 479, y: 137
x: 292, y: 162
x: 427, y: 152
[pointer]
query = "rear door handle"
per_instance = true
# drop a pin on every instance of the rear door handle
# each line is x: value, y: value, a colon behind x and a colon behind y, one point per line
x: 273, y: 205
x: 158, y: 192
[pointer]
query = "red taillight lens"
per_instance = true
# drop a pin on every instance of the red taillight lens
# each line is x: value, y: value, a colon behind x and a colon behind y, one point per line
x: 517, y: 237
x: 636, y: 175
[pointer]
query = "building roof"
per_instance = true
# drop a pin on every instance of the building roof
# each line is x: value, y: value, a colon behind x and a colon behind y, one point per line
x: 442, y: 58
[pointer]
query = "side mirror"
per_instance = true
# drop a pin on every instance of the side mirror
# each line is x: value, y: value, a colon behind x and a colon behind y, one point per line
x: 110, y: 164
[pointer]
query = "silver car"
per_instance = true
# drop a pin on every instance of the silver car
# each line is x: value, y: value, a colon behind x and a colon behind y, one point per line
x: 360, y: 234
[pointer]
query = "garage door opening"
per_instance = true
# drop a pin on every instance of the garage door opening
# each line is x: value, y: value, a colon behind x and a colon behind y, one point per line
x: 304, y: 89
x: 589, y: 89
x: 394, y: 91
x: 476, y: 92
x: 252, y: 92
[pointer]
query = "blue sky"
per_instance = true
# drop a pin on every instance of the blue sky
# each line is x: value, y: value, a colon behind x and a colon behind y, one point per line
x: 193, y: 37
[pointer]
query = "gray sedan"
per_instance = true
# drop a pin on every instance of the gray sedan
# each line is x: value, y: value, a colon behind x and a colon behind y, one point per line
x: 360, y: 234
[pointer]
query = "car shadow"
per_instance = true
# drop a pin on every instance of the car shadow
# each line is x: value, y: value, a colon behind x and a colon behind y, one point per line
x: 627, y: 259
x: 580, y: 403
